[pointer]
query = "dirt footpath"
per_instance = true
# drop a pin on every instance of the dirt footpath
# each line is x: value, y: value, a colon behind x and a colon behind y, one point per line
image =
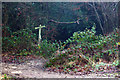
x: 34, y: 69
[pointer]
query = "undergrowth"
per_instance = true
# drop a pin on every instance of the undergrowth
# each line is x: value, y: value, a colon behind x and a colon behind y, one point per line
x: 89, y: 51
x: 84, y: 50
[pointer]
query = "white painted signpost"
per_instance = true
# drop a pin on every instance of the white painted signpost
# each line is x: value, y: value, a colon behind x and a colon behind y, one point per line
x: 39, y: 38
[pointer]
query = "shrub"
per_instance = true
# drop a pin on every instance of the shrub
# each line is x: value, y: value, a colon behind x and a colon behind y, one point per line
x: 92, y: 47
x: 19, y: 41
x: 47, y: 49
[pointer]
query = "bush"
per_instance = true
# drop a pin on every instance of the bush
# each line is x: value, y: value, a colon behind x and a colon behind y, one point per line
x: 47, y: 49
x: 19, y: 41
x: 90, y: 46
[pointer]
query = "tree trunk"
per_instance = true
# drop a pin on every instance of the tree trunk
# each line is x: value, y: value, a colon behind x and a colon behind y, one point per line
x: 97, y: 15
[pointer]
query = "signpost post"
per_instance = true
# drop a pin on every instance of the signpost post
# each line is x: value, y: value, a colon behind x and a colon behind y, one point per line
x: 119, y: 53
x: 39, y: 38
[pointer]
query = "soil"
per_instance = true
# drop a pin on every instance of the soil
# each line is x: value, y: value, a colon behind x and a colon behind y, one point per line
x: 35, y: 69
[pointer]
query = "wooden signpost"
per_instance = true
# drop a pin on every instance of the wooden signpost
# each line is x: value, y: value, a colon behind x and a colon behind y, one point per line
x: 119, y: 54
x: 39, y: 38
x: 119, y: 44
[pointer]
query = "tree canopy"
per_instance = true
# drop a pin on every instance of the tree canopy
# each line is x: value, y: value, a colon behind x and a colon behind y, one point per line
x: 21, y: 15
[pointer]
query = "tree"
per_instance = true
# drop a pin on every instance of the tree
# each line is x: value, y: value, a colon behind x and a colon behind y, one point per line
x: 29, y: 15
x: 107, y: 15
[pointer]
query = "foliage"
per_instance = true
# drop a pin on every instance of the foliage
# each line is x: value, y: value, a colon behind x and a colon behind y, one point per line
x: 89, y: 50
x: 6, y: 31
x: 84, y: 48
x: 86, y: 35
x: 47, y: 48
x: 20, y: 41
x: 23, y: 43
x: 94, y: 44
x: 19, y: 16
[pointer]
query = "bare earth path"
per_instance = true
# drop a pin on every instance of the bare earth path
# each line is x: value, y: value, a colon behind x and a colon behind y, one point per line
x: 34, y: 69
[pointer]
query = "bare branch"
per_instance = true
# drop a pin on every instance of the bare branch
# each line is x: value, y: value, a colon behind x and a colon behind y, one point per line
x: 93, y: 5
x: 66, y: 22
